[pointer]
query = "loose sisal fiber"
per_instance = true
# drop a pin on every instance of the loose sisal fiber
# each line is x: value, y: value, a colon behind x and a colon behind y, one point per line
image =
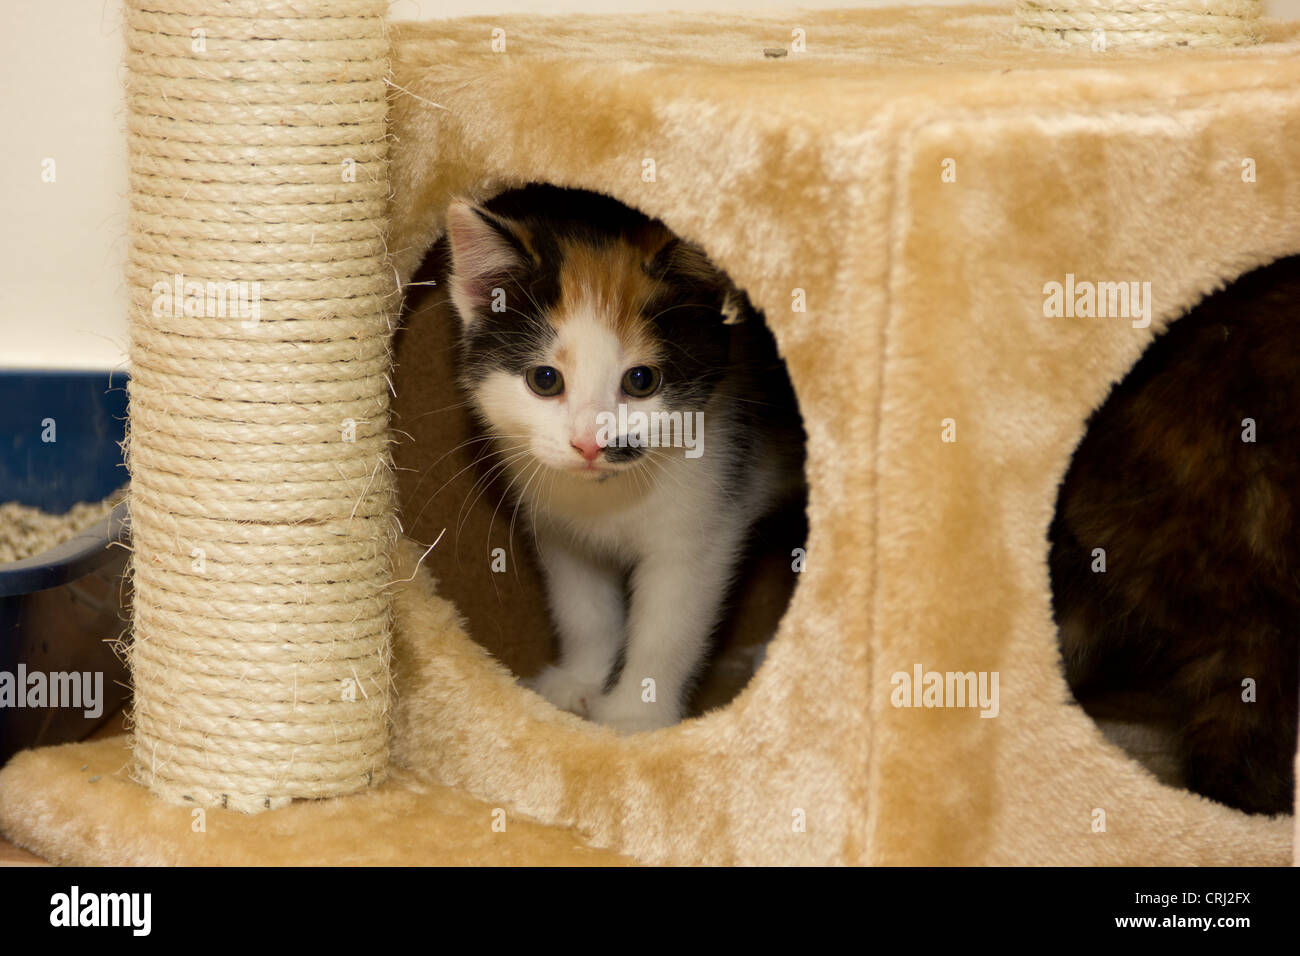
x: 1139, y: 23
x: 262, y: 507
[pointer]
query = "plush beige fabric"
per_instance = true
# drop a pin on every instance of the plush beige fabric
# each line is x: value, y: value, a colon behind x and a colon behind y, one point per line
x: 820, y: 171
x: 75, y: 804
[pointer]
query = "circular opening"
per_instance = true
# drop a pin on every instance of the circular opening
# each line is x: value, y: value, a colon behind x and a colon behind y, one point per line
x: 1175, y: 558
x: 595, y: 425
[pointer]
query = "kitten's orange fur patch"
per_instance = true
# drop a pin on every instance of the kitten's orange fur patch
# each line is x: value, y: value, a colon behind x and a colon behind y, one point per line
x: 610, y: 281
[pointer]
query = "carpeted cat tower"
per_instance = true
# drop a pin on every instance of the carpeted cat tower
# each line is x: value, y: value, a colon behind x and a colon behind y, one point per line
x: 894, y: 188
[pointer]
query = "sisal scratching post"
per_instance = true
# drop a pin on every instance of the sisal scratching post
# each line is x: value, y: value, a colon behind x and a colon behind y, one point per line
x: 262, y: 509
x: 1102, y: 24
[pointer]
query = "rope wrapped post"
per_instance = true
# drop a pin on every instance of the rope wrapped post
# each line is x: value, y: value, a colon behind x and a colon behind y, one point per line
x: 1104, y: 24
x: 262, y: 503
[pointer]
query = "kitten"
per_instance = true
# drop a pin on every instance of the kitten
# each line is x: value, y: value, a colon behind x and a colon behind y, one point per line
x: 1201, y: 588
x: 577, y: 314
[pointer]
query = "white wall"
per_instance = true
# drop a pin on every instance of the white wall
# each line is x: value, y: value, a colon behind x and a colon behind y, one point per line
x: 62, y: 244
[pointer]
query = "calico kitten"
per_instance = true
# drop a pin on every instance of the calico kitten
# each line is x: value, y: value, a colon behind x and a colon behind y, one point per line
x: 1201, y: 588
x: 573, y: 305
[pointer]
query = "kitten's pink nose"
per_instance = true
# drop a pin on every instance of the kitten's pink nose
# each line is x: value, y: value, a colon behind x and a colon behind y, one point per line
x: 586, y: 447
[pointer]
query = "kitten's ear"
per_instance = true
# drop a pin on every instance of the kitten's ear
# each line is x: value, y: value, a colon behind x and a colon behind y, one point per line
x: 485, y: 250
x: 685, y: 260
x: 735, y: 307
x: 681, y: 259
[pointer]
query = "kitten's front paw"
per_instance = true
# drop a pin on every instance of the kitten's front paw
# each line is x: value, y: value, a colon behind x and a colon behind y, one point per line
x: 566, y: 689
x: 632, y: 715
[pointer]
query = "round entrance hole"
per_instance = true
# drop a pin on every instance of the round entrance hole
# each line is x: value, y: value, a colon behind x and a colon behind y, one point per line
x: 1175, y: 553
x: 647, y: 290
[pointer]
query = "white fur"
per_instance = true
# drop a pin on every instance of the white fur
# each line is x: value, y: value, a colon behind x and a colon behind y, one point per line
x: 668, y: 522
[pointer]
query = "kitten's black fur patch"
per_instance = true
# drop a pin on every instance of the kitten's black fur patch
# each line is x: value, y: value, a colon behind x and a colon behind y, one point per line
x: 621, y: 453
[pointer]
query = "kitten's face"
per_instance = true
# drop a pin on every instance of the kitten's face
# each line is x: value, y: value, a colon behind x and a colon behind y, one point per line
x: 563, y: 323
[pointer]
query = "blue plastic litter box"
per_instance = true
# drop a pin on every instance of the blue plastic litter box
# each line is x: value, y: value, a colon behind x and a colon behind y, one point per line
x: 60, y: 611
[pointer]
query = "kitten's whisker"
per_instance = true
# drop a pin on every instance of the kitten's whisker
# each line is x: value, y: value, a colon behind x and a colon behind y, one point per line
x: 467, y: 506
x: 527, y: 294
x: 486, y: 481
x: 493, y: 521
x: 679, y: 482
x: 682, y: 305
x: 510, y: 532
x: 435, y: 411
x: 550, y: 494
x: 479, y: 458
x: 435, y: 463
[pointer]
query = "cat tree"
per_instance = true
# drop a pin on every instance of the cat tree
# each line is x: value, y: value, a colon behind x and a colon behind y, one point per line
x: 894, y: 191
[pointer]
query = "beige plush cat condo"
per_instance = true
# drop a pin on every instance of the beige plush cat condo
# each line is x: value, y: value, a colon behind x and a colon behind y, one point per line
x: 894, y: 189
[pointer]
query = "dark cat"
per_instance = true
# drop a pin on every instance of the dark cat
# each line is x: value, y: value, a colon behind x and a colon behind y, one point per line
x: 1201, y: 588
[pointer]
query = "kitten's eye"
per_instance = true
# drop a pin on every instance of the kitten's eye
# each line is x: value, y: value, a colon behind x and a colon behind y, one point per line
x: 545, y: 381
x: 642, y: 380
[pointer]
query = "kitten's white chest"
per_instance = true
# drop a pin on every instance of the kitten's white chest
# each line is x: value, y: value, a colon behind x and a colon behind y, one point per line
x: 631, y: 515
